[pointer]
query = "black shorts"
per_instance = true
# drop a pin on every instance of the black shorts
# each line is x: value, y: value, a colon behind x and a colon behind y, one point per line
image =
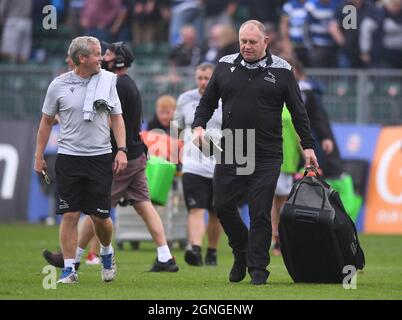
x: 198, y: 191
x: 84, y: 184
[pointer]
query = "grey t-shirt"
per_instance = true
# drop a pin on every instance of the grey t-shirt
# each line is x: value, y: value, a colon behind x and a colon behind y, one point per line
x: 65, y: 96
x: 193, y: 160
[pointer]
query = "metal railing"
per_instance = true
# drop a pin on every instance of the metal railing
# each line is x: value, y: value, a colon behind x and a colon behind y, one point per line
x: 352, y: 96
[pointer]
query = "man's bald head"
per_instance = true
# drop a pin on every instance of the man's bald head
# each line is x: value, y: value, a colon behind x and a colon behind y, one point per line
x: 253, y: 40
x: 250, y: 24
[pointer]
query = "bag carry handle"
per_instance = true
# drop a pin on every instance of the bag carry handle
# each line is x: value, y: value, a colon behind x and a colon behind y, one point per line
x: 311, y: 168
x: 317, y: 175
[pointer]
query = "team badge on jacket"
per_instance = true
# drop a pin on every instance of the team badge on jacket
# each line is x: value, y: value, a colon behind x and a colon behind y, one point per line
x: 270, y: 78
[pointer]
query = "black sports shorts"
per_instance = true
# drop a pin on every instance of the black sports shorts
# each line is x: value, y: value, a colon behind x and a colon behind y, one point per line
x: 198, y: 191
x: 84, y: 184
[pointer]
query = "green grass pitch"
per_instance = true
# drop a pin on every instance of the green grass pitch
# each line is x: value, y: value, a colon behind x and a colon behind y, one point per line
x: 21, y: 275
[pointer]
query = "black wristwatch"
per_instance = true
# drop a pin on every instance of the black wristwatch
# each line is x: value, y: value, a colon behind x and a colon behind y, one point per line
x: 124, y: 149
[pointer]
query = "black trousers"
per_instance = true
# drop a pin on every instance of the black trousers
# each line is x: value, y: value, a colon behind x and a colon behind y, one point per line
x: 258, y: 190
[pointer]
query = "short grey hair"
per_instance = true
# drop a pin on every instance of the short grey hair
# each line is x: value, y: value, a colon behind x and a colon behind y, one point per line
x: 204, y: 66
x: 256, y: 23
x: 81, y: 46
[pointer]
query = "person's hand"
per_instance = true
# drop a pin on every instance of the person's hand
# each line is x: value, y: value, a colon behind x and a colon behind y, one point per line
x: 198, y: 136
x: 327, y: 145
x: 310, y: 158
x: 40, y: 167
x: 120, y: 162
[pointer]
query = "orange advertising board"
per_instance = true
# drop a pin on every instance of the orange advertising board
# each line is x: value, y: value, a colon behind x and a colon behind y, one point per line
x: 384, y: 196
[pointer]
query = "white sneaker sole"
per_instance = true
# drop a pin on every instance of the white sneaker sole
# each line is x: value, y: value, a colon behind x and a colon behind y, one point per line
x: 68, y: 280
x: 109, y: 275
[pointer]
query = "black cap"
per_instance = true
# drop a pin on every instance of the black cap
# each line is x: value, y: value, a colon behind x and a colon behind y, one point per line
x: 121, y: 49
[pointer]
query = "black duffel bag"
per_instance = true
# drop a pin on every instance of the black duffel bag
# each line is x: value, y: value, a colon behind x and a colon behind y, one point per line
x: 318, y: 238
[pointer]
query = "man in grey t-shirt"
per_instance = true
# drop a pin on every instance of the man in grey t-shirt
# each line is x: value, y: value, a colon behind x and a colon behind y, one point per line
x: 84, y: 165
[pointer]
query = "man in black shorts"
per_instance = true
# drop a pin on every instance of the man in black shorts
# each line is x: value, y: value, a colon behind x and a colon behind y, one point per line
x: 131, y: 182
x: 84, y: 168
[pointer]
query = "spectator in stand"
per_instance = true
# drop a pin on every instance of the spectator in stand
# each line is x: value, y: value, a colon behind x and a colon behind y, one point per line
x: 323, y: 50
x: 219, y: 12
x: 186, y: 12
x: 385, y: 30
x: 292, y: 24
x: 16, y: 20
x: 150, y: 21
x: 211, y: 47
x: 264, y: 11
x: 121, y: 29
x: 165, y: 108
x: 187, y: 53
x: 73, y: 17
x: 228, y: 42
x: 349, y: 55
x: 103, y: 19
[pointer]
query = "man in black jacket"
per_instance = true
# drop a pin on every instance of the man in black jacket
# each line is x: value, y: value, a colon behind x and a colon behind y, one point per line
x: 253, y: 86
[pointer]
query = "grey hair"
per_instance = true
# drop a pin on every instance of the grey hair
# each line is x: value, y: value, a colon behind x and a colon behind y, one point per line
x: 258, y: 24
x: 204, y: 66
x: 81, y: 46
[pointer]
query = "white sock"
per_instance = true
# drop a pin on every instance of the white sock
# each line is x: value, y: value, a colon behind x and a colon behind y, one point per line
x: 106, y: 250
x: 164, y: 253
x: 69, y: 263
x: 78, y: 254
